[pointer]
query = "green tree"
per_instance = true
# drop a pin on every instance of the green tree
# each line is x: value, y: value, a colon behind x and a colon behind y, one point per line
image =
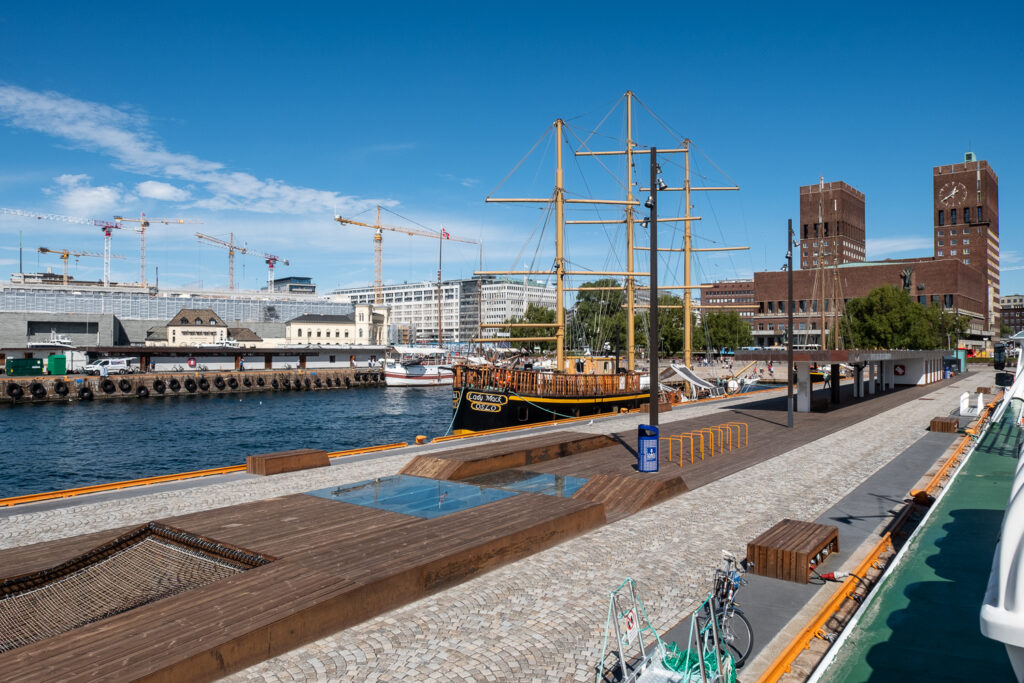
x: 726, y: 329
x: 887, y: 318
x: 671, y: 331
x: 598, y: 316
x: 535, y: 314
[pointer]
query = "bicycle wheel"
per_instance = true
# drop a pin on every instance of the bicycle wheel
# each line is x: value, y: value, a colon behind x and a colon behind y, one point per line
x: 736, y: 634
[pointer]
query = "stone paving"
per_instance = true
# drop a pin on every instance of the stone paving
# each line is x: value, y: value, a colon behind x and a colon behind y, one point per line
x: 542, y: 618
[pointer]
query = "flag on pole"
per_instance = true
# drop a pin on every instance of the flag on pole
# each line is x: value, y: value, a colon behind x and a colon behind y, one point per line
x: 444, y: 234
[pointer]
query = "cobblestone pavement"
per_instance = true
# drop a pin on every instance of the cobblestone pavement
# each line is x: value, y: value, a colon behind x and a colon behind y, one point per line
x: 542, y: 618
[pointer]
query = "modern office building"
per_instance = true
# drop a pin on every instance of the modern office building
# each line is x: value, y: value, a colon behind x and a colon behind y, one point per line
x: 729, y: 295
x: 1012, y: 311
x: 464, y: 304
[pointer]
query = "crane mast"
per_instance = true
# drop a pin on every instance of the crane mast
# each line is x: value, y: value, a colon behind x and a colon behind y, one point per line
x: 64, y: 255
x: 230, y: 245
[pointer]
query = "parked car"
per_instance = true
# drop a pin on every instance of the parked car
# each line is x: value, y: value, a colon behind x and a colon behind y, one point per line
x: 114, y: 366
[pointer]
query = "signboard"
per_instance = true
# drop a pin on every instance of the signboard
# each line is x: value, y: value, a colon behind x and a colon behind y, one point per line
x: 899, y: 369
x: 632, y: 626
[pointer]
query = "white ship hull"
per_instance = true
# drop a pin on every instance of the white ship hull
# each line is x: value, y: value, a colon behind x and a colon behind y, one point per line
x: 418, y: 376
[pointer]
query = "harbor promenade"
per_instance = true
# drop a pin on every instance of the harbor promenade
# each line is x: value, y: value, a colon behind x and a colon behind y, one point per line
x: 541, y: 618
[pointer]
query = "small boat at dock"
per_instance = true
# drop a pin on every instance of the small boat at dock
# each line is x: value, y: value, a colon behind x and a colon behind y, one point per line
x: 418, y: 366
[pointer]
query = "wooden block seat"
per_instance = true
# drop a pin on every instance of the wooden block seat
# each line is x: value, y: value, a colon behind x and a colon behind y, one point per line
x: 948, y: 425
x: 789, y: 549
x: 286, y: 461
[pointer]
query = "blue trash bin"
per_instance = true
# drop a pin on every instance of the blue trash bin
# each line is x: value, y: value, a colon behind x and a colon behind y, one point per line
x: 647, y: 448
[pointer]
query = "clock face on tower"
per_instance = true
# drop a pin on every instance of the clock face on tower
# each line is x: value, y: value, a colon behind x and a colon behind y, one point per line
x: 952, y: 193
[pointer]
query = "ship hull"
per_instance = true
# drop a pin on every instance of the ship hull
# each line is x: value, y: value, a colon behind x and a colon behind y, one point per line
x: 482, y: 410
x: 418, y: 376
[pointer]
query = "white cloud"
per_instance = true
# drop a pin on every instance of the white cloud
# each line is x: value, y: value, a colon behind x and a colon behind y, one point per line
x: 887, y: 246
x: 125, y: 136
x: 78, y: 198
x: 152, y: 189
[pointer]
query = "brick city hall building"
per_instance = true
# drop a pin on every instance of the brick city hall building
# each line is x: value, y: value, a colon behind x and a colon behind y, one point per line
x: 962, y: 276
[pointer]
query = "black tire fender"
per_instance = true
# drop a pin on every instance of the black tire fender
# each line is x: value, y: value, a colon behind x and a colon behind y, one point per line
x: 159, y: 386
x: 124, y: 385
x: 308, y: 383
x: 60, y: 387
x: 107, y: 386
x: 174, y: 384
x: 85, y: 394
x: 190, y: 385
x: 246, y: 382
x: 37, y: 389
x: 142, y: 391
x: 232, y: 382
x: 273, y: 383
x: 204, y: 384
x: 219, y: 383
x: 260, y: 381
x: 14, y: 390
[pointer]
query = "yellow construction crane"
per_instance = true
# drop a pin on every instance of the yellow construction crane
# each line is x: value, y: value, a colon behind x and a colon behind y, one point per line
x: 66, y: 253
x: 230, y: 245
x: 144, y: 222
x: 378, y: 258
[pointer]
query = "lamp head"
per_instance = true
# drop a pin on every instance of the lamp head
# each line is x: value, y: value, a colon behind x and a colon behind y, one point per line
x: 650, y: 202
x: 662, y: 185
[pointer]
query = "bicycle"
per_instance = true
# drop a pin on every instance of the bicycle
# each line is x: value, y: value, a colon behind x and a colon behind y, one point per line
x: 735, y: 632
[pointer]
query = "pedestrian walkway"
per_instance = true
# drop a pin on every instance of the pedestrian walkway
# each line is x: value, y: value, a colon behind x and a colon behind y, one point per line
x: 923, y: 622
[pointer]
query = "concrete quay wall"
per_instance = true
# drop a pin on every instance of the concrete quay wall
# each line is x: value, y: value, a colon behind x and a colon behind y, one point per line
x: 70, y: 388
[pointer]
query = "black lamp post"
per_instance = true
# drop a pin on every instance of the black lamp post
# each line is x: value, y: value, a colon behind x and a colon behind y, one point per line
x: 652, y: 204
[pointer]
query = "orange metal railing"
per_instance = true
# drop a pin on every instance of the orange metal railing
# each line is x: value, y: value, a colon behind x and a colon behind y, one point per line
x: 164, y: 478
x: 545, y: 384
x: 695, y: 439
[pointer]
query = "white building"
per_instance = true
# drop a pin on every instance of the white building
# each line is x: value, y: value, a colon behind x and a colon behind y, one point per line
x: 464, y: 303
x: 367, y: 325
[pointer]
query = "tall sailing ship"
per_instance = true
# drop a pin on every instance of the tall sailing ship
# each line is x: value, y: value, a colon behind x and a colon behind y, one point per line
x: 492, y: 397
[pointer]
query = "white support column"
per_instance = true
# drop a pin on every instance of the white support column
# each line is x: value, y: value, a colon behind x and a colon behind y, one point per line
x: 872, y: 377
x: 803, y: 387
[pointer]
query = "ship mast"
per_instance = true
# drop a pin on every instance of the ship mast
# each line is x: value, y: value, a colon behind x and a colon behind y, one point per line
x: 630, y: 281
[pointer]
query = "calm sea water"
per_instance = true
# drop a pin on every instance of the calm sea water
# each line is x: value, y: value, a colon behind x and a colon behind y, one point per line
x: 47, y: 447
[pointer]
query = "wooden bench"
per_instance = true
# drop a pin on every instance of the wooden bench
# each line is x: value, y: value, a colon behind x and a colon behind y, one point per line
x: 286, y: 461
x: 948, y: 425
x: 791, y: 548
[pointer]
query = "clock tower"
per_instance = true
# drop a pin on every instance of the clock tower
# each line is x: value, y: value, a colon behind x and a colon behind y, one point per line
x: 966, y: 219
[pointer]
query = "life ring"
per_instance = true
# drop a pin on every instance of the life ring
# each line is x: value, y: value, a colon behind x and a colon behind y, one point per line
x: 159, y: 386
x: 142, y: 391
x: 260, y: 381
x: 190, y: 385
x: 317, y: 383
x: 85, y: 394
x: 348, y: 382
x: 308, y: 383
x: 37, y: 389
x: 15, y: 390
x: 246, y: 382
x: 108, y: 386
x: 218, y: 382
x: 174, y: 384
x: 124, y: 385
x: 232, y: 382
x: 60, y: 387
x: 273, y: 383
x: 191, y: 362
x: 204, y: 384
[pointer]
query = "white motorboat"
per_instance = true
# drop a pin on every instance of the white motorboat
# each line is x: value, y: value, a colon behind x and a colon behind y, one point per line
x: 418, y: 366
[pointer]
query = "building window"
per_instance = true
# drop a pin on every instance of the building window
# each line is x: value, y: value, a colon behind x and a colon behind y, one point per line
x: 966, y: 241
x: 942, y: 217
x: 965, y: 251
x: 977, y: 216
x: 941, y: 243
x: 922, y: 300
x: 967, y: 261
x: 941, y: 233
x: 941, y: 252
x: 300, y: 332
x: 952, y: 218
x: 967, y: 214
x: 952, y: 252
x: 771, y: 306
x: 952, y: 243
x: 947, y: 300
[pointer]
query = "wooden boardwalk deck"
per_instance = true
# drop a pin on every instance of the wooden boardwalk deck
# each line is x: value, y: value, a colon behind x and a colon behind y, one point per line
x: 339, y: 564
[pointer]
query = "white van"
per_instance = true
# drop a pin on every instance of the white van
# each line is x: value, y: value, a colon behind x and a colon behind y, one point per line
x: 114, y: 366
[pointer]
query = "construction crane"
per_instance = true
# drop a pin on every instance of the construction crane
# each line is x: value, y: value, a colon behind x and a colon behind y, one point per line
x: 230, y: 245
x: 378, y: 257
x: 106, y: 226
x: 66, y: 253
x: 143, y: 224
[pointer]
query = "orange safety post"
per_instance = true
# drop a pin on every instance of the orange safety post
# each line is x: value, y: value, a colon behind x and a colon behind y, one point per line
x: 687, y: 435
x: 711, y: 438
x: 669, y: 439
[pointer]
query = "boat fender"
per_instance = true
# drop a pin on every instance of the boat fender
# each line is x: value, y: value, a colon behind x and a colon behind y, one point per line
x: 260, y: 381
x: 61, y: 387
x: 219, y: 383
x: 108, y: 386
x: 14, y: 390
x: 359, y: 377
x: 286, y: 383
x: 190, y: 385
x: 124, y: 385
x: 348, y: 382
x: 175, y: 385
x: 204, y: 384
x: 246, y: 382
x: 308, y: 383
x: 142, y: 391
x: 85, y: 394
x: 273, y: 383
x: 159, y: 386
x: 317, y: 383
x: 37, y: 390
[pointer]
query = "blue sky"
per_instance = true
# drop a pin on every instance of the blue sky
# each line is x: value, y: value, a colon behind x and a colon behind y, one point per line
x: 264, y: 121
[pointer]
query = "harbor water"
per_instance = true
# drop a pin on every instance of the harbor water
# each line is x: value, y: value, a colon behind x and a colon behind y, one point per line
x: 53, y: 446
